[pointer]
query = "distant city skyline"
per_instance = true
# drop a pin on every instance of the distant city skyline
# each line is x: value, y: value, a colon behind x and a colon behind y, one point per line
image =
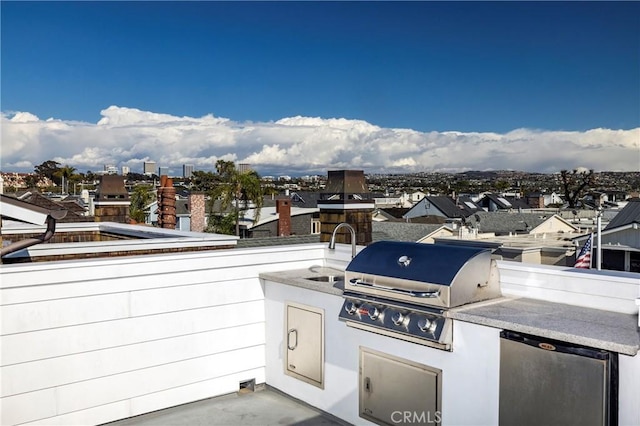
x: 303, y: 87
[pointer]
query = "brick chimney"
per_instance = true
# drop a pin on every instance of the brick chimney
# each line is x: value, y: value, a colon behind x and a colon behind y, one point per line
x: 346, y: 198
x: 166, y: 203
x: 197, y: 209
x: 283, y: 209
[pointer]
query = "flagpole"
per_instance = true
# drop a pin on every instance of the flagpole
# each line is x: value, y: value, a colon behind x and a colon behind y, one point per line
x: 591, y: 249
x: 599, y: 227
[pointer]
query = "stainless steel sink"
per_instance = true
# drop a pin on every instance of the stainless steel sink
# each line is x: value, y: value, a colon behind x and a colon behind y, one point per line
x: 327, y: 278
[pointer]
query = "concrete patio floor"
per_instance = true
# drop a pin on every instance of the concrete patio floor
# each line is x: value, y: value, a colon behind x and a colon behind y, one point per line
x: 264, y: 406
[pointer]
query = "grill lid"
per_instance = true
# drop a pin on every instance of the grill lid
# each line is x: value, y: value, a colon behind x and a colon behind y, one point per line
x: 426, y: 274
x: 428, y: 263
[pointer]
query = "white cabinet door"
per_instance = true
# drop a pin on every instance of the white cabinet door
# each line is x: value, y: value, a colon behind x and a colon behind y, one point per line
x: 304, y: 343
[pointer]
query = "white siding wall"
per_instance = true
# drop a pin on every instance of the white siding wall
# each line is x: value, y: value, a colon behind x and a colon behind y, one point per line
x: 626, y: 237
x: 573, y: 286
x: 552, y: 225
x: 88, y: 342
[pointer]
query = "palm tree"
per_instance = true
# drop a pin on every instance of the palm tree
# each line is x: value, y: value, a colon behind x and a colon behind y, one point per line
x: 237, y: 189
x: 65, y: 173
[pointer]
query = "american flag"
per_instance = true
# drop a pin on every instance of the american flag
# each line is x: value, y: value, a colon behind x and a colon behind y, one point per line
x: 584, y: 258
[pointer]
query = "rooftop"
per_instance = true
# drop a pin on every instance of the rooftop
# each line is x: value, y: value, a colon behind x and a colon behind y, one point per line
x: 264, y: 407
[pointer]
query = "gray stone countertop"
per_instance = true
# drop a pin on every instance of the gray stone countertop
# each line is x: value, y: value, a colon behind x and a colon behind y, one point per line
x: 307, y: 278
x: 599, y: 329
x: 595, y: 328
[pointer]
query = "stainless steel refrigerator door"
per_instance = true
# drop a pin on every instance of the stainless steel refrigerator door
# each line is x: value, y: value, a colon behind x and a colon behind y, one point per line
x: 547, y: 387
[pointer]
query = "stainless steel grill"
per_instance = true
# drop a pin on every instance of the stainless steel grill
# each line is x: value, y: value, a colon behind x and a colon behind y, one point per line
x: 403, y: 290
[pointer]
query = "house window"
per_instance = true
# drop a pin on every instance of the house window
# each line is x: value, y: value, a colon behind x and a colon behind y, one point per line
x: 613, y: 260
x: 315, y: 226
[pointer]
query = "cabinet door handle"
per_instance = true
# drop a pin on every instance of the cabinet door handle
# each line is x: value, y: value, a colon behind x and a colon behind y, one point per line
x: 289, y: 333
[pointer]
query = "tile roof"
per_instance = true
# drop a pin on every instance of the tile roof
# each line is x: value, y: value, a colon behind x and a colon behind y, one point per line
x: 401, y: 231
x: 40, y: 200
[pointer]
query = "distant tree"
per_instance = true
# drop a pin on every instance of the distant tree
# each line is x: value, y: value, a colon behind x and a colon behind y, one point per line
x: 49, y: 170
x: 141, y: 197
x: 501, y: 185
x: 461, y: 186
x: 31, y: 181
x: 90, y: 177
x: 575, y: 184
x: 137, y: 177
x: 204, y: 181
x: 222, y: 224
x: 236, y: 190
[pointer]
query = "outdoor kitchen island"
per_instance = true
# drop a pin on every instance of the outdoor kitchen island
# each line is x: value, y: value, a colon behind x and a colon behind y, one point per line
x: 466, y: 379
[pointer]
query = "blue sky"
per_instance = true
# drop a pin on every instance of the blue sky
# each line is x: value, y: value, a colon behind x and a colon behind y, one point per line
x: 426, y: 66
x: 420, y: 65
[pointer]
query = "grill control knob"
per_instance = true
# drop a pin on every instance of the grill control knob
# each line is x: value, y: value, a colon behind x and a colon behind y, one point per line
x: 426, y: 325
x: 350, y: 307
x: 374, y: 312
x: 397, y: 318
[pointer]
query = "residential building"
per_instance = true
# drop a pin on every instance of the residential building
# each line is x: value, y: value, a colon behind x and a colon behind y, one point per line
x: 507, y: 223
x: 299, y: 221
x: 620, y: 240
x: 493, y: 202
x: 442, y: 206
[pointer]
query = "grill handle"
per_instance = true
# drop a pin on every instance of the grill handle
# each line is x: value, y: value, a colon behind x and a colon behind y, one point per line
x: 426, y: 294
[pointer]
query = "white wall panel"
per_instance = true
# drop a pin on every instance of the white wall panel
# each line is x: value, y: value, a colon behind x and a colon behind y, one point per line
x: 103, y: 390
x: 27, y: 407
x: 179, y: 298
x: 51, y: 372
x: 196, y: 391
x: 51, y: 273
x: 629, y: 390
x: 92, y: 416
x: 89, y: 337
x: 63, y: 312
x: 92, y: 341
x: 609, y: 290
x: 57, y: 280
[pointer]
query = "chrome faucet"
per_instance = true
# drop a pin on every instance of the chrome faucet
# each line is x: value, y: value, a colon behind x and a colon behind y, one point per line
x: 332, y: 241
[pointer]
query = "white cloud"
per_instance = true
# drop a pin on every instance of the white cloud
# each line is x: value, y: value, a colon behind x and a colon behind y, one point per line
x: 129, y: 136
